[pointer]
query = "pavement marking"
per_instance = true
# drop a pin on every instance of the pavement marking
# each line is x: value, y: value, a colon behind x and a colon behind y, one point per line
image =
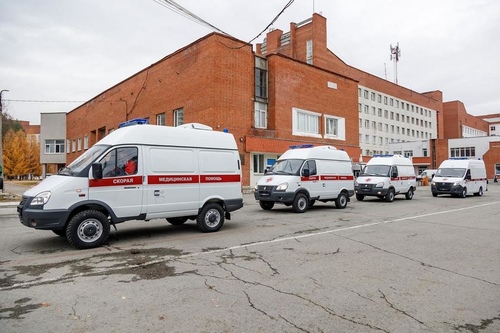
x: 236, y: 247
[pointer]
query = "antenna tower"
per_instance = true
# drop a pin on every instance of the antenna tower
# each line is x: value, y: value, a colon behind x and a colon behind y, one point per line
x: 395, y: 54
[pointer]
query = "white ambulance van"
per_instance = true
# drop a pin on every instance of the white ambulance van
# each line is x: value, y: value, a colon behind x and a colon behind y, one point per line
x: 305, y: 174
x: 460, y: 177
x: 385, y: 176
x: 140, y: 172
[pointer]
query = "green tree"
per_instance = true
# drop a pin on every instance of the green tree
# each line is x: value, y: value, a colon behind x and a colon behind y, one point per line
x: 15, y: 154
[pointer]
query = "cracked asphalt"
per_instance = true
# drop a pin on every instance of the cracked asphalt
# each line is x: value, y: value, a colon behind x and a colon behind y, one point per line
x: 422, y: 265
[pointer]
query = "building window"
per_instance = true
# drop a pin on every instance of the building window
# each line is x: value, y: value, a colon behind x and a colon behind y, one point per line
x: 365, y: 94
x: 54, y: 146
x: 385, y: 100
x: 160, y: 119
x: 367, y: 123
x: 360, y: 107
x: 367, y: 109
x: 463, y: 152
x: 309, y: 52
x: 79, y: 144
x: 258, y: 163
x: 372, y: 95
x: 260, y: 78
x: 424, y: 152
x: 335, y: 127
x: 260, y: 115
x: 86, y: 142
x: 305, y: 123
x: 408, y: 153
x: 73, y: 146
x: 68, y: 146
x: 178, y: 117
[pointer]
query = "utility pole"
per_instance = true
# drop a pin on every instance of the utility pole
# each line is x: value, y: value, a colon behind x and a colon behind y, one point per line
x: 1, y: 138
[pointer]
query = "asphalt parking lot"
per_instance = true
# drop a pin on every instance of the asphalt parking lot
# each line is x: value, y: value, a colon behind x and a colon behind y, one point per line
x: 422, y: 265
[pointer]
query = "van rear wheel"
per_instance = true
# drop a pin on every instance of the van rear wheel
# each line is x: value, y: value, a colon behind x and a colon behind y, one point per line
x: 211, y: 218
x: 409, y: 194
x: 300, y: 203
x: 341, y: 201
x: 88, y: 229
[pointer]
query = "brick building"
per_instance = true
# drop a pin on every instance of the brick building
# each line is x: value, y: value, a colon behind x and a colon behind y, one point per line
x: 290, y: 90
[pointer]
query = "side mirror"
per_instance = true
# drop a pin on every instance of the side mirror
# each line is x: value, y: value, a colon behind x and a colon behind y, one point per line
x: 394, y: 175
x: 468, y: 177
x: 97, y: 170
x: 305, y: 173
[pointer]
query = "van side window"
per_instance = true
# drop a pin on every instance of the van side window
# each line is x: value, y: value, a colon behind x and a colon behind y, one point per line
x: 311, y: 166
x: 394, y: 171
x: 120, y: 162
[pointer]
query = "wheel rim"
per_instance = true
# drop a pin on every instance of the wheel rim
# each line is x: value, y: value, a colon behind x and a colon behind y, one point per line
x: 343, y: 201
x: 90, y: 230
x: 302, y: 204
x: 212, y: 218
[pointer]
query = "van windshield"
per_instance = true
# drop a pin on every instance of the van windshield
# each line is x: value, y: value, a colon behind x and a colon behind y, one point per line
x: 450, y: 172
x: 83, y: 162
x: 286, y: 167
x: 376, y: 170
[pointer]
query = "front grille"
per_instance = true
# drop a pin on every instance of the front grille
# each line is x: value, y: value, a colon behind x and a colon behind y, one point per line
x: 265, y: 190
x: 20, y: 207
x: 366, y: 187
x: 443, y: 186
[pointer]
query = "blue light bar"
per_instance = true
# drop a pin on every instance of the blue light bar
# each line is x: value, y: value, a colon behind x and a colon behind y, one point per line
x: 136, y: 121
x: 301, y: 146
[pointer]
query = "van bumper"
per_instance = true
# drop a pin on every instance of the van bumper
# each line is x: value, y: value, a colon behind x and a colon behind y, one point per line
x: 39, y: 218
x: 375, y: 191
x: 443, y: 188
x: 283, y: 197
x: 233, y: 204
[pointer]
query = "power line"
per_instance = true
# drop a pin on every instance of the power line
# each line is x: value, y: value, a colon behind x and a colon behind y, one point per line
x: 176, y: 8
x: 40, y: 101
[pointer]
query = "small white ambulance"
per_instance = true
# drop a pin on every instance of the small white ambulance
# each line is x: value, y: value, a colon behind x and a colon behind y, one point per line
x: 385, y: 176
x: 460, y: 177
x: 305, y: 174
x: 140, y: 172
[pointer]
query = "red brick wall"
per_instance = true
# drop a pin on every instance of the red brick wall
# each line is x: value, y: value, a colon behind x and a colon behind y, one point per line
x: 456, y: 116
x: 491, y: 158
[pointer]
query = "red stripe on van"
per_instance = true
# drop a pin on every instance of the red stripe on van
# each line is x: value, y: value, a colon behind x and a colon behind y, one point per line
x: 337, y: 177
x: 403, y: 178
x: 177, y: 179
x: 309, y: 179
x: 220, y: 178
x: 116, y: 181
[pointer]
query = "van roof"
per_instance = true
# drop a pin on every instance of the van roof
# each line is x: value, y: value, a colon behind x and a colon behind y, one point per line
x: 460, y: 163
x: 185, y: 136
x: 318, y: 152
x: 390, y: 160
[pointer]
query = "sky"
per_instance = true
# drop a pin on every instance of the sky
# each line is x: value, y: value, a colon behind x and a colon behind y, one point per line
x: 56, y: 54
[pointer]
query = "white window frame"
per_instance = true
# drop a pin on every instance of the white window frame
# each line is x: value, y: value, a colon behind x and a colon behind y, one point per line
x: 338, y: 130
x: 309, y: 52
x: 160, y: 119
x: 305, y: 123
x: 178, y: 117
x: 260, y: 115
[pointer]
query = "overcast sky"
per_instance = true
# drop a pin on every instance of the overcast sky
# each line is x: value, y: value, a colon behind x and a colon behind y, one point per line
x: 73, y: 50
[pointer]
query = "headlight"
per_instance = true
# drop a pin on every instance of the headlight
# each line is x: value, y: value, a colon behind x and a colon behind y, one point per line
x: 381, y: 184
x: 356, y: 183
x: 256, y: 187
x: 282, y: 187
x: 41, y: 199
x: 456, y: 183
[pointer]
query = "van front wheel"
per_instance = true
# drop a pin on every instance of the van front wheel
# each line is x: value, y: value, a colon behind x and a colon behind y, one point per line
x: 266, y: 205
x: 88, y: 229
x: 211, y: 218
x: 389, y: 197
x: 300, y: 203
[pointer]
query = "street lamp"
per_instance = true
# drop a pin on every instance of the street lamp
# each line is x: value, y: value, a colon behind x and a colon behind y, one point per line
x: 1, y: 138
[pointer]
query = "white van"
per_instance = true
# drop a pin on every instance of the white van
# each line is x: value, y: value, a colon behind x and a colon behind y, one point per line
x: 385, y: 176
x: 305, y: 174
x: 140, y: 172
x: 460, y: 177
